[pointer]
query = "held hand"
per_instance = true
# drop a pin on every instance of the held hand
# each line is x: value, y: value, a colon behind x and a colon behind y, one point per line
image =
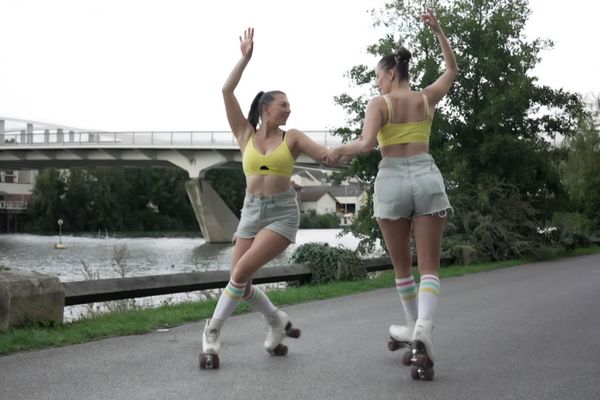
x: 431, y: 21
x: 333, y: 157
x: 247, y: 43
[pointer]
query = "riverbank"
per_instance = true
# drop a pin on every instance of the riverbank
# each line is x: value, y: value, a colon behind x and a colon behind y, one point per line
x: 165, y: 317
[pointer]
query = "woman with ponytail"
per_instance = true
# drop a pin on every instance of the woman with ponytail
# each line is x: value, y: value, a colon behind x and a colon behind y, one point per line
x: 270, y: 215
x: 409, y: 190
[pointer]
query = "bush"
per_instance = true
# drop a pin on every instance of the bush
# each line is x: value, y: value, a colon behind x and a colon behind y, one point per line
x: 329, y: 263
x: 498, y: 222
x: 574, y: 240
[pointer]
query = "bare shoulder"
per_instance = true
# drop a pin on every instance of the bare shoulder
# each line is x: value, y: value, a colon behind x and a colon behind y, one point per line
x: 294, y: 135
x: 377, y: 101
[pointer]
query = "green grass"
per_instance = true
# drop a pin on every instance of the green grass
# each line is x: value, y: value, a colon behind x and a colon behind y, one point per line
x: 147, y: 320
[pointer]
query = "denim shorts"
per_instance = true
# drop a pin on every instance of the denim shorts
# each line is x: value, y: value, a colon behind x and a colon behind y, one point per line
x: 278, y: 212
x: 409, y: 187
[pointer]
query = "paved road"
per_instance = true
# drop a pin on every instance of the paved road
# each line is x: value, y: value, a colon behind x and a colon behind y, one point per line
x: 529, y: 332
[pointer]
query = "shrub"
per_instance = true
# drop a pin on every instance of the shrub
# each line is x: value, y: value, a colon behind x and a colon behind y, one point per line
x: 498, y: 222
x: 573, y: 240
x: 329, y: 263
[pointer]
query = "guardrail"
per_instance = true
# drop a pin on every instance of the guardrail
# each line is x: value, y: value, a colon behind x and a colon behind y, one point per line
x: 84, y: 292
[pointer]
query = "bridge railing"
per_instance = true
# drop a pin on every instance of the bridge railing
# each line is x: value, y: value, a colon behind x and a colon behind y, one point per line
x: 13, y: 205
x: 139, y: 138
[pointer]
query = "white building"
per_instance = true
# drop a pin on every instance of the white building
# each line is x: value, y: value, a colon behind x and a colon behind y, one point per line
x: 319, y: 200
x: 344, y: 200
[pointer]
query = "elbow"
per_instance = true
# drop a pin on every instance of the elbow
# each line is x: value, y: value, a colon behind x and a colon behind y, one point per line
x: 453, y: 71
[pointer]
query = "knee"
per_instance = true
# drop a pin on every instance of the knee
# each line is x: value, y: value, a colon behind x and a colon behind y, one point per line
x: 240, y: 275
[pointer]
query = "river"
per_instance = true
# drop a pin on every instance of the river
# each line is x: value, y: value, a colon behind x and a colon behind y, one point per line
x: 139, y: 256
x: 94, y: 257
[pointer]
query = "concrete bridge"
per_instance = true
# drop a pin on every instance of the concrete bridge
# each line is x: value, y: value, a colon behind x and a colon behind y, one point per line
x: 36, y: 145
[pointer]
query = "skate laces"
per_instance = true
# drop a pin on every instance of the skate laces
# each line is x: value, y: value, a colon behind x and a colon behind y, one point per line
x: 212, y: 334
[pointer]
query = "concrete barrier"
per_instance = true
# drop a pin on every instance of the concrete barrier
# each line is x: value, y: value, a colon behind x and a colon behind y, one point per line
x: 30, y: 298
x: 38, y: 298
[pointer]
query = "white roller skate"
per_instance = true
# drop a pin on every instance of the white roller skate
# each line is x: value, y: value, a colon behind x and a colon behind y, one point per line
x: 279, y: 327
x: 211, y: 344
x: 422, y: 351
x: 401, y: 337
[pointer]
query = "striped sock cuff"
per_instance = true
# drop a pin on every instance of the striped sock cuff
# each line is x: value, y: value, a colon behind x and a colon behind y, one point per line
x: 255, y: 297
x: 235, y: 290
x: 406, y: 288
x: 251, y: 295
x: 430, y: 283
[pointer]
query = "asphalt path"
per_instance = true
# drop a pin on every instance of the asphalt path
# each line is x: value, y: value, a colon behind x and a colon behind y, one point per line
x: 527, y: 332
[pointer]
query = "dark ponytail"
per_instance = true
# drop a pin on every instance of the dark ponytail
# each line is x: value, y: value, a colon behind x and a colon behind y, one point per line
x: 399, y: 61
x: 260, y: 100
x: 254, y: 113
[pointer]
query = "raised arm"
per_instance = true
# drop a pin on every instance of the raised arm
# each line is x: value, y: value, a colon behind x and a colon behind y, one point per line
x: 237, y: 121
x: 442, y: 85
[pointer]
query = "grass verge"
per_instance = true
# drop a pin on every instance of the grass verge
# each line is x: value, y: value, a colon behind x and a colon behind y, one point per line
x: 147, y: 320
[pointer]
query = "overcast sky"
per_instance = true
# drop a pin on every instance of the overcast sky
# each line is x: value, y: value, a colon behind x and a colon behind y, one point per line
x: 160, y: 64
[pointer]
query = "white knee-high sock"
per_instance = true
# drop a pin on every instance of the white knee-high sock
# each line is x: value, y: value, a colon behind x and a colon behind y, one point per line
x: 429, y: 290
x: 229, y: 300
x: 408, y: 297
x: 258, y: 300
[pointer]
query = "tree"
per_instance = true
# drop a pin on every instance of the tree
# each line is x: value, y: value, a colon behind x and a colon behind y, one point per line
x: 112, y: 199
x: 580, y: 168
x: 47, y: 199
x: 493, y: 130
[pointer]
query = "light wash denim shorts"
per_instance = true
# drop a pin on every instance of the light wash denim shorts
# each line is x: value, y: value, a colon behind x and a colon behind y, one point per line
x: 409, y: 187
x: 278, y: 212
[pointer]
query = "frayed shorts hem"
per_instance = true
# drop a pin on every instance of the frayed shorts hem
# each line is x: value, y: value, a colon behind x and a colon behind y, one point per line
x: 442, y: 213
x: 291, y: 238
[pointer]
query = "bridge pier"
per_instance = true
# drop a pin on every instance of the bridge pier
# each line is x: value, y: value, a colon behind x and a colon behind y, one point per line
x: 217, y: 222
x: 1, y: 132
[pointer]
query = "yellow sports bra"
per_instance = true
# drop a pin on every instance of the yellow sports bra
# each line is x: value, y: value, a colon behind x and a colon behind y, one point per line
x: 278, y: 162
x: 405, y: 132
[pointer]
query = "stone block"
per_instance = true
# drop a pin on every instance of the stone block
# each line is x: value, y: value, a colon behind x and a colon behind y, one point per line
x: 30, y: 298
x: 466, y: 254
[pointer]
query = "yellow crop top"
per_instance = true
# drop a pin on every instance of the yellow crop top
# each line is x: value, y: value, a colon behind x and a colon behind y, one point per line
x: 278, y: 162
x: 405, y: 132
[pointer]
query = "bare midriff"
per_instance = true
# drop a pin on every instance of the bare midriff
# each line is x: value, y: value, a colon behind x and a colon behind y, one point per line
x: 404, y: 150
x: 267, y: 184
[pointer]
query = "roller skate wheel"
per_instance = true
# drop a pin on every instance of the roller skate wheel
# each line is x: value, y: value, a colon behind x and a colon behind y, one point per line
x: 407, y: 358
x: 293, y: 333
x: 414, y: 372
x: 428, y: 374
x: 393, y: 345
x: 209, y: 361
x: 280, y: 350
